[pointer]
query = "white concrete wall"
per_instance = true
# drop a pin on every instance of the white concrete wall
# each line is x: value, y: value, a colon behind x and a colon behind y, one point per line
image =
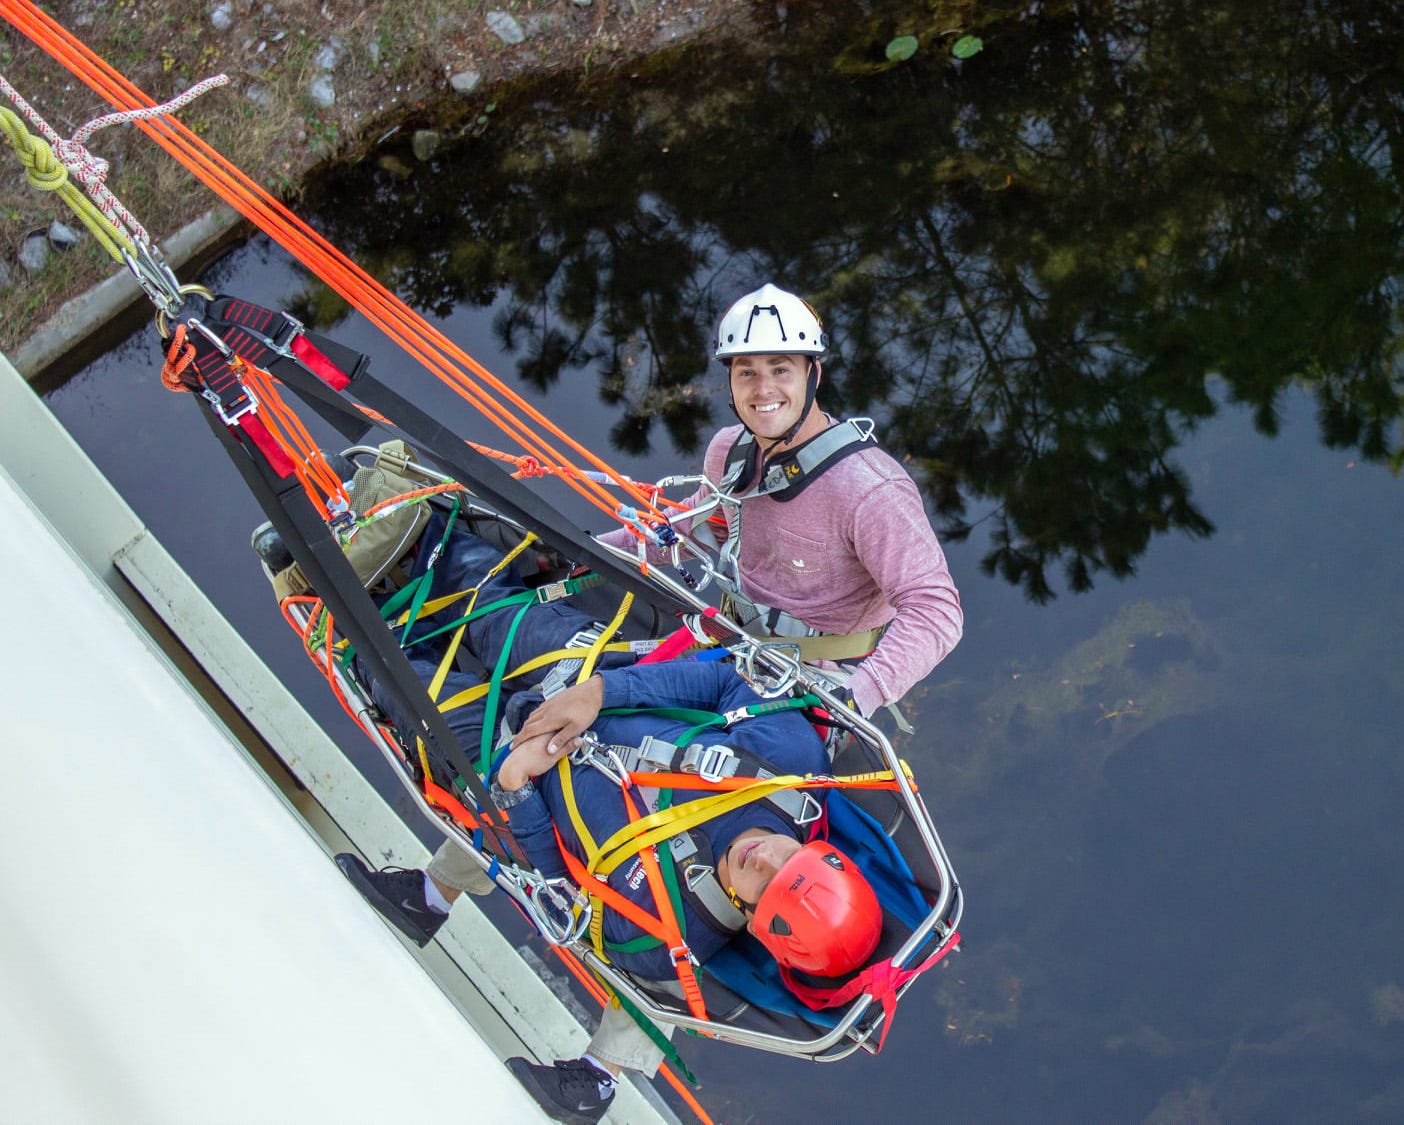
x: 176, y: 946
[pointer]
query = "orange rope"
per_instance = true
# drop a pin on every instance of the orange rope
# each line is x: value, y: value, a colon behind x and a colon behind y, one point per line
x: 419, y: 338
x: 179, y: 356
x: 286, y: 428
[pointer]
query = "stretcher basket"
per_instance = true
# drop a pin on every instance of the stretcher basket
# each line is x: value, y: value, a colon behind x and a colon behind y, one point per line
x: 746, y: 1002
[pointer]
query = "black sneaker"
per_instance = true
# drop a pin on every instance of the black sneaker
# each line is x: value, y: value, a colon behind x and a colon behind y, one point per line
x: 570, y: 1091
x: 397, y: 894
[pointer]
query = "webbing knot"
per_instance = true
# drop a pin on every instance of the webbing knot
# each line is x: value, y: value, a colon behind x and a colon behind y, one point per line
x: 43, y: 168
x: 91, y: 170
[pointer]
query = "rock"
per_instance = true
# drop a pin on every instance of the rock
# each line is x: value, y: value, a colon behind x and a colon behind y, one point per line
x: 505, y: 27
x: 7, y: 277
x: 262, y: 97
x: 222, y: 15
x: 330, y: 56
x: 465, y: 81
x: 34, y: 251
x: 425, y: 143
x: 373, y: 50
x: 322, y: 92
x: 62, y: 236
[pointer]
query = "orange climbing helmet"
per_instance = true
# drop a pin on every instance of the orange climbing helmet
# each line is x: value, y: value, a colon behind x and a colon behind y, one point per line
x: 818, y: 914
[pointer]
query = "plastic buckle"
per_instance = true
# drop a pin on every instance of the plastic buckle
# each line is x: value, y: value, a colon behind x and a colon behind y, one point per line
x: 709, y: 762
x: 551, y: 592
x: 558, y: 678
x: 654, y: 751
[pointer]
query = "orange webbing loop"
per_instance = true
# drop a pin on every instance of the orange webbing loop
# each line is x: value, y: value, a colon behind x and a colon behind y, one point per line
x: 513, y: 414
x: 179, y: 356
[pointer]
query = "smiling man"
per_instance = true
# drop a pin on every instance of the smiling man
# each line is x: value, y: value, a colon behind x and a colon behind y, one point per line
x: 837, y: 551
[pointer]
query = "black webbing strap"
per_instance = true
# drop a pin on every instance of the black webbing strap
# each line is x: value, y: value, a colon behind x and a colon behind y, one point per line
x: 484, y: 476
x: 331, y: 574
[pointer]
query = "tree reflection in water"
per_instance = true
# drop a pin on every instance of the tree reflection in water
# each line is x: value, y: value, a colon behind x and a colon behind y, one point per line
x: 1040, y: 266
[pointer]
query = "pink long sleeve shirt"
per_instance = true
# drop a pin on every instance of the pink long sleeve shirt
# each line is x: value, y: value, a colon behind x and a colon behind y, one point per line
x: 853, y: 551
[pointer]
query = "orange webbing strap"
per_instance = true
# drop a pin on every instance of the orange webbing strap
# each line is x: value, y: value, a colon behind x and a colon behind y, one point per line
x: 668, y: 932
x: 513, y: 414
x: 882, y: 779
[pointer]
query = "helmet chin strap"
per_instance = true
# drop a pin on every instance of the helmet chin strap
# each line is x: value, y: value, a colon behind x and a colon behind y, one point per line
x: 811, y: 388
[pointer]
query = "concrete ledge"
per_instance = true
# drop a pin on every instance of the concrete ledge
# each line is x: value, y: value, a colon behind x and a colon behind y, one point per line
x: 85, y: 324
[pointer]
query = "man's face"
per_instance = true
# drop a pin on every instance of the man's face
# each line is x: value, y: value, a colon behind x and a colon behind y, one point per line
x: 752, y: 859
x: 769, y: 392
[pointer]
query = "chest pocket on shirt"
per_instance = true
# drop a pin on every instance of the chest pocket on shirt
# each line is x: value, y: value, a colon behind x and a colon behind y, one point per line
x: 800, y: 559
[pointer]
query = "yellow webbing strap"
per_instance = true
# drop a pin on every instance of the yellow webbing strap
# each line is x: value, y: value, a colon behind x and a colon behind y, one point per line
x: 436, y: 685
x: 477, y: 691
x: 587, y: 841
x: 651, y: 829
x: 588, y: 668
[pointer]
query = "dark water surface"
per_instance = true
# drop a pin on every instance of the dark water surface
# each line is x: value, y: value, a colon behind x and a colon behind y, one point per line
x: 1124, y: 288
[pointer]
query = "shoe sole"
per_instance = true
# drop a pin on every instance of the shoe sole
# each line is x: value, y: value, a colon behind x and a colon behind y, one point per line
x: 359, y: 876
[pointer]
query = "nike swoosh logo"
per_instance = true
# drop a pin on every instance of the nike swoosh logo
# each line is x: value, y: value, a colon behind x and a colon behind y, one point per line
x: 405, y: 904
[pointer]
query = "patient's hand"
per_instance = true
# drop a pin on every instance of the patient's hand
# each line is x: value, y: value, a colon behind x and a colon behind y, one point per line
x: 555, y: 726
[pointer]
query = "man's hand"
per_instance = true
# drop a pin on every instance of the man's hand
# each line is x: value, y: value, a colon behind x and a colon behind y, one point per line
x: 553, y: 729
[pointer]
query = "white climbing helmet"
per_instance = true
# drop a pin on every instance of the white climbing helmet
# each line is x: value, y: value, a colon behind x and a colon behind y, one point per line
x: 770, y: 321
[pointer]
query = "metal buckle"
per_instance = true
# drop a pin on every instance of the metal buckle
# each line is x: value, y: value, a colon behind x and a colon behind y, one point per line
x: 557, y: 679
x: 593, y: 752
x: 810, y: 810
x: 695, y: 874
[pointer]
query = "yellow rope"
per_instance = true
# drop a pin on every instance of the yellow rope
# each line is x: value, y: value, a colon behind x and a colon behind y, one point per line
x: 47, y: 172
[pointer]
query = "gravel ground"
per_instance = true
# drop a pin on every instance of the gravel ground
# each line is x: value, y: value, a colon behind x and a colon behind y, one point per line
x: 311, y: 81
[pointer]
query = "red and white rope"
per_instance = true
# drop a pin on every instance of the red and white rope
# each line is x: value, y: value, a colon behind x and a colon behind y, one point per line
x: 91, y: 171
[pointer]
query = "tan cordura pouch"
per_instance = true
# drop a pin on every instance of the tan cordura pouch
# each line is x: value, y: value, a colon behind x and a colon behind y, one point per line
x: 380, y: 544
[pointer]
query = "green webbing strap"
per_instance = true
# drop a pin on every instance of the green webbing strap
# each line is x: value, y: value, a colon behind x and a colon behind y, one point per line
x: 572, y: 586
x: 495, y: 690
x: 418, y: 590
x: 656, y: 1037
x: 520, y: 598
x: 704, y: 720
